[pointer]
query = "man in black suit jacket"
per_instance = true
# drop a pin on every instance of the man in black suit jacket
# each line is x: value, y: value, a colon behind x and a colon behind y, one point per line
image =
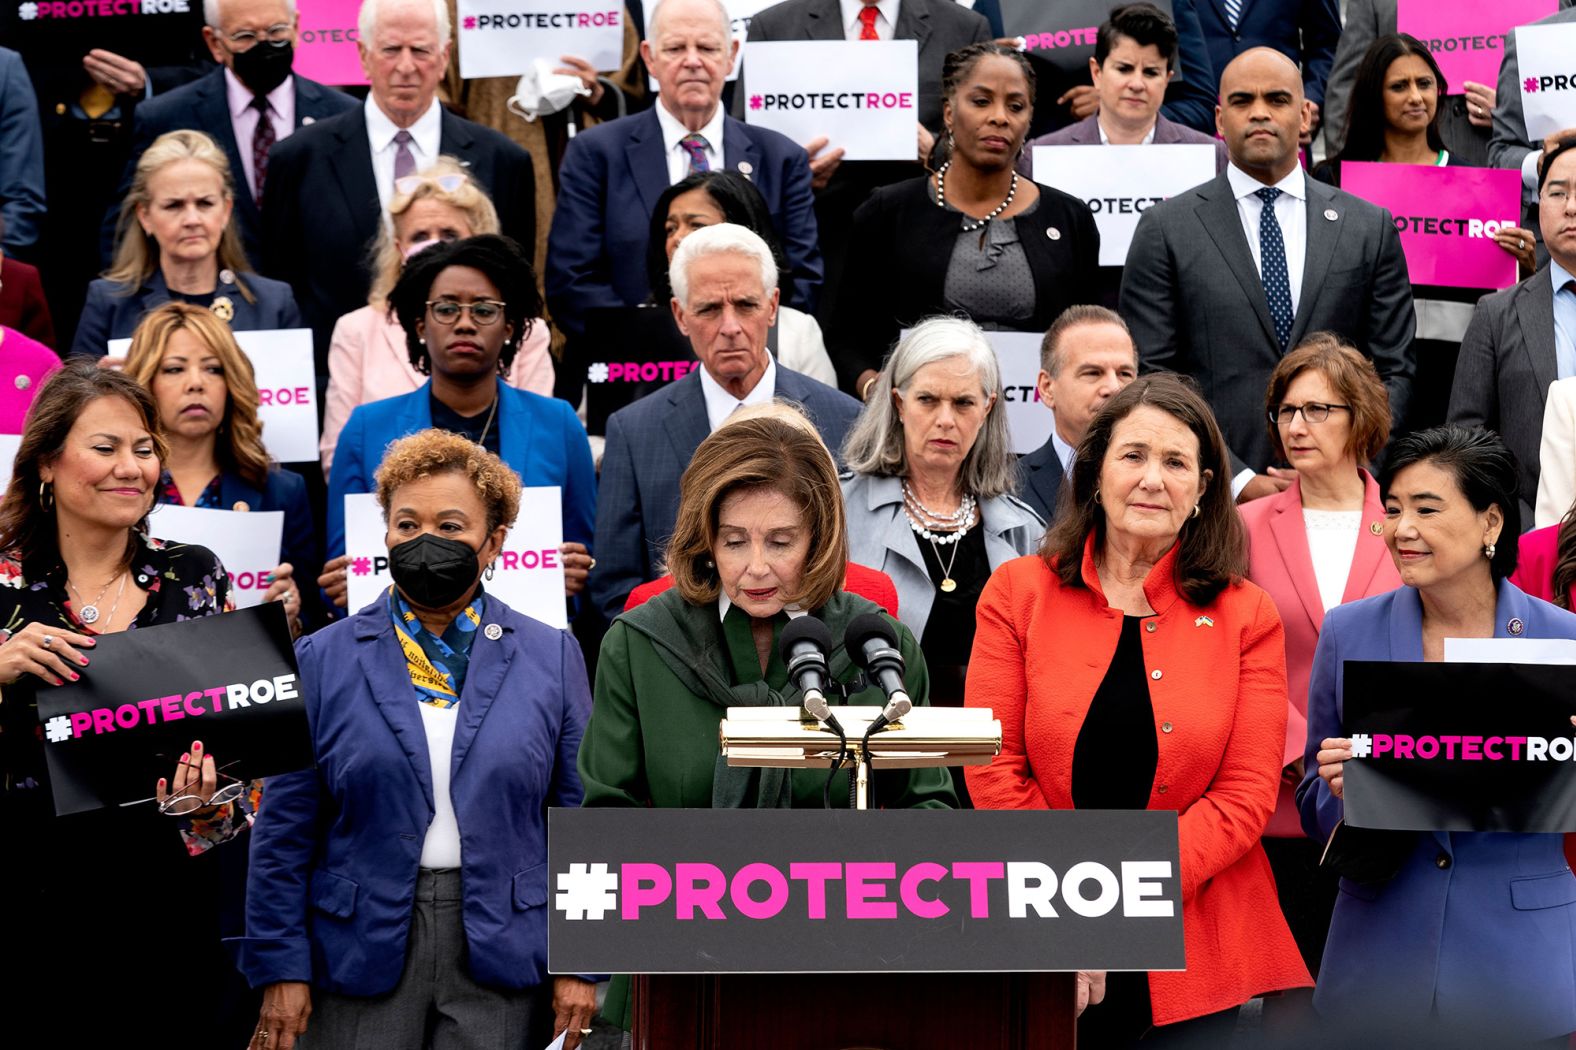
x: 1087, y: 356
x: 1194, y: 294
x: 253, y: 44
x: 329, y: 185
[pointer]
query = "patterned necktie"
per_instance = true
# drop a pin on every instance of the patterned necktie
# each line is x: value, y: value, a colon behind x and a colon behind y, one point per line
x: 404, y: 159
x: 867, y: 16
x: 263, y: 138
x: 1272, y: 265
x: 1233, y: 12
x: 695, y: 145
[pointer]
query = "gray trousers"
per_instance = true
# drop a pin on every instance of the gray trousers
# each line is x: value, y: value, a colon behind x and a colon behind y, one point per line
x: 436, y: 1005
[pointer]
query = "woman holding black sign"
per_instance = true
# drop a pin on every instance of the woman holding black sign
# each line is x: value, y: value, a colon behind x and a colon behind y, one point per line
x: 1440, y: 937
x: 86, y: 896
x: 401, y: 886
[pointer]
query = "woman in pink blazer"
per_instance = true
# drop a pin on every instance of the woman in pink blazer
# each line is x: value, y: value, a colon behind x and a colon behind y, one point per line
x: 1318, y: 544
x: 367, y: 355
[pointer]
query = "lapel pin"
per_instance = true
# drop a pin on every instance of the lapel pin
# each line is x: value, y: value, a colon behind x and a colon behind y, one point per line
x: 23, y: 382
x: 308, y: 120
x: 1331, y: 214
x: 1515, y: 626
x: 1375, y: 527
x: 223, y: 308
x: 746, y: 168
x: 1053, y: 233
x: 1204, y: 621
x: 493, y: 632
x: 226, y: 277
x: 242, y: 506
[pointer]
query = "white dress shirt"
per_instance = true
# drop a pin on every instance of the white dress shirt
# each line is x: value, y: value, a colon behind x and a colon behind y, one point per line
x: 1332, y: 543
x: 886, y: 19
x: 720, y: 404
x: 426, y: 133
x: 243, y: 118
x: 673, y: 131
x: 1064, y: 452
x: 1291, y: 211
x: 1105, y: 140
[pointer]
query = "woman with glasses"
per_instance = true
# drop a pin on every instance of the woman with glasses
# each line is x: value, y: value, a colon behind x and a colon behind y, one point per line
x: 85, y: 896
x: 465, y: 306
x: 1316, y: 545
x: 367, y: 356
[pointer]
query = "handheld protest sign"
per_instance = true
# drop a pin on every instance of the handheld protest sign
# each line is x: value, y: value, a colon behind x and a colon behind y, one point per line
x: 247, y: 543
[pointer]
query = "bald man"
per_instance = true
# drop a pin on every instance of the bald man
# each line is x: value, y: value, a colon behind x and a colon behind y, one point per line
x: 1223, y: 280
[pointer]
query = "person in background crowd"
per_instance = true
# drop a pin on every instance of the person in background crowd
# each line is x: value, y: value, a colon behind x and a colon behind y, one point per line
x: 1087, y: 355
x: 26, y: 363
x: 178, y: 243
x: 1312, y: 547
x: 367, y: 356
x: 1546, y: 564
x: 330, y: 185
x: 930, y: 500
x: 1450, y: 938
x: 22, y: 203
x: 759, y: 532
x: 934, y: 244
x: 1523, y: 338
x: 725, y: 298
x: 1305, y: 31
x: 466, y: 306
x: 250, y: 101
x: 22, y: 303
x: 431, y: 861
x: 79, y: 564
x: 1557, y: 455
x: 709, y: 198
x: 597, y: 248
x: 1307, y: 258
x: 1187, y: 712
x: 1509, y: 145
x: 206, y: 391
x: 1394, y: 118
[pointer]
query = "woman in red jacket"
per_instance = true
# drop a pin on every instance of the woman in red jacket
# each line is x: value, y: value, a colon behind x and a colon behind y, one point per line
x: 1132, y: 667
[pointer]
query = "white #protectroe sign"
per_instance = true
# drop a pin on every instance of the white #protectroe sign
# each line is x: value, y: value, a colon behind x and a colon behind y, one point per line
x: 246, y: 542
x: 503, y: 38
x: 1120, y: 183
x: 862, y: 95
x: 1548, y: 78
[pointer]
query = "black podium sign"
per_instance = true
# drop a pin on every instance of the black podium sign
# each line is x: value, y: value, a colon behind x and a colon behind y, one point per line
x: 784, y: 891
x: 228, y: 680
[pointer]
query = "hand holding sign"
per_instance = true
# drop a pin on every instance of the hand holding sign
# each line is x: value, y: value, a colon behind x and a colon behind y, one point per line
x: 43, y: 650
x: 1334, y: 753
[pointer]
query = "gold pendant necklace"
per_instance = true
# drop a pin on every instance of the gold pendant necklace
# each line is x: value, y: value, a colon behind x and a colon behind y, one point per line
x: 947, y: 584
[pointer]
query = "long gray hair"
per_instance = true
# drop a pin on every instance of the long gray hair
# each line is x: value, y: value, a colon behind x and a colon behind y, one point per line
x: 875, y: 445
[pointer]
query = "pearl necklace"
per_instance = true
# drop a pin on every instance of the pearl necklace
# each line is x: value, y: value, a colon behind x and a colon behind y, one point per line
x: 954, y: 526
x: 941, y: 198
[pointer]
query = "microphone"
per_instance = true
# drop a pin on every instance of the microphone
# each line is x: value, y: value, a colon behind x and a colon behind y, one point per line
x: 803, y: 647
x: 872, y: 645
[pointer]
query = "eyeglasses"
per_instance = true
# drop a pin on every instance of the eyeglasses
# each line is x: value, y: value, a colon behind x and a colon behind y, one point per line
x: 408, y: 184
x: 278, y: 33
x: 1312, y: 411
x: 483, y: 311
x: 186, y: 804
x: 1556, y: 193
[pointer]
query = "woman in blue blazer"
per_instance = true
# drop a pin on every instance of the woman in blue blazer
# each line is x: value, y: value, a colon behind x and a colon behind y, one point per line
x: 401, y: 885
x: 1474, y: 936
x: 178, y: 242
x: 465, y: 306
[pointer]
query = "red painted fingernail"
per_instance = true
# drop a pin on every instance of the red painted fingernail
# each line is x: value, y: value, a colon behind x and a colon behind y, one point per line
x: 196, y: 745
x: 162, y: 782
x: 84, y: 661
x: 75, y: 676
x: 186, y: 757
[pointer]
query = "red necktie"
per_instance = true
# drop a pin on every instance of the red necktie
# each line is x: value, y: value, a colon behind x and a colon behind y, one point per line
x: 867, y: 16
x: 263, y: 137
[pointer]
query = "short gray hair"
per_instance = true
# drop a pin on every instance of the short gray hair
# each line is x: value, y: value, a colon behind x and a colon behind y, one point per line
x: 367, y: 19
x: 875, y: 445
x: 656, y: 14
x: 210, y: 11
x: 722, y: 239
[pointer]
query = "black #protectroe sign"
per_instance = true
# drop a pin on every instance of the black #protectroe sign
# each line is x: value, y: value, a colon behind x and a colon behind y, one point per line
x: 228, y: 680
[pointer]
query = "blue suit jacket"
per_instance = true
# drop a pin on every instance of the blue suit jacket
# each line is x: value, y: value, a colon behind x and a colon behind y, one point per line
x: 110, y: 315
x: 649, y: 443
x: 204, y: 105
x: 1305, y: 31
x: 609, y: 183
x: 540, y: 437
x: 1480, y: 928
x: 336, y: 849
x: 22, y: 159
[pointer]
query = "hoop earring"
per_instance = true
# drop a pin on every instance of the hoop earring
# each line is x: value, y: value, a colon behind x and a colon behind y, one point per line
x: 46, y: 490
x: 487, y: 573
x: 1488, y: 551
x: 1195, y: 511
x: 952, y: 143
x: 1097, y: 494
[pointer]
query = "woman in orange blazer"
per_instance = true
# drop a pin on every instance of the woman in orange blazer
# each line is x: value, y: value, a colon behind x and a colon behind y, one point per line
x: 1316, y: 545
x: 1133, y: 667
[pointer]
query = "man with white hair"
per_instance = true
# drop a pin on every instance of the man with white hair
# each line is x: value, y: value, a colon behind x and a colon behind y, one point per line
x: 329, y: 185
x: 596, y: 252
x: 725, y: 297
x: 249, y: 103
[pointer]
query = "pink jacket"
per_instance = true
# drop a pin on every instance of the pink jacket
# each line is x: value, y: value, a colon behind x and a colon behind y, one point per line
x: 367, y: 361
x: 24, y: 365
x: 1536, y: 558
x: 1279, y: 562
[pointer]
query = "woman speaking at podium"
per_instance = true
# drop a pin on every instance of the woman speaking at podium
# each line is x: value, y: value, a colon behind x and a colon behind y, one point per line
x: 1133, y: 667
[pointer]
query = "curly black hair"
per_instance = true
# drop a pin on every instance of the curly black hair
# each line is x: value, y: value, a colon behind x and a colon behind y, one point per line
x: 499, y: 258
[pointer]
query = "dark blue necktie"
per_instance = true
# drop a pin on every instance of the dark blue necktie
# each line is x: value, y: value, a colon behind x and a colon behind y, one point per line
x: 1272, y: 266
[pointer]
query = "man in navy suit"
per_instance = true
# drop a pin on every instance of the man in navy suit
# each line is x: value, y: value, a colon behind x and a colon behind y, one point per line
x: 329, y: 185
x: 612, y: 174
x: 725, y: 297
x: 246, y: 105
x: 1087, y: 356
x: 1305, y: 31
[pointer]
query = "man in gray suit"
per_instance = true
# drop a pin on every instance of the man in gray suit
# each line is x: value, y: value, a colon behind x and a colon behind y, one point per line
x: 1523, y: 338
x: 1509, y: 146
x: 1223, y: 280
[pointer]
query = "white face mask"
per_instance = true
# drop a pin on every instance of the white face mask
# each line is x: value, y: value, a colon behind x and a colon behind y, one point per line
x: 541, y: 91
